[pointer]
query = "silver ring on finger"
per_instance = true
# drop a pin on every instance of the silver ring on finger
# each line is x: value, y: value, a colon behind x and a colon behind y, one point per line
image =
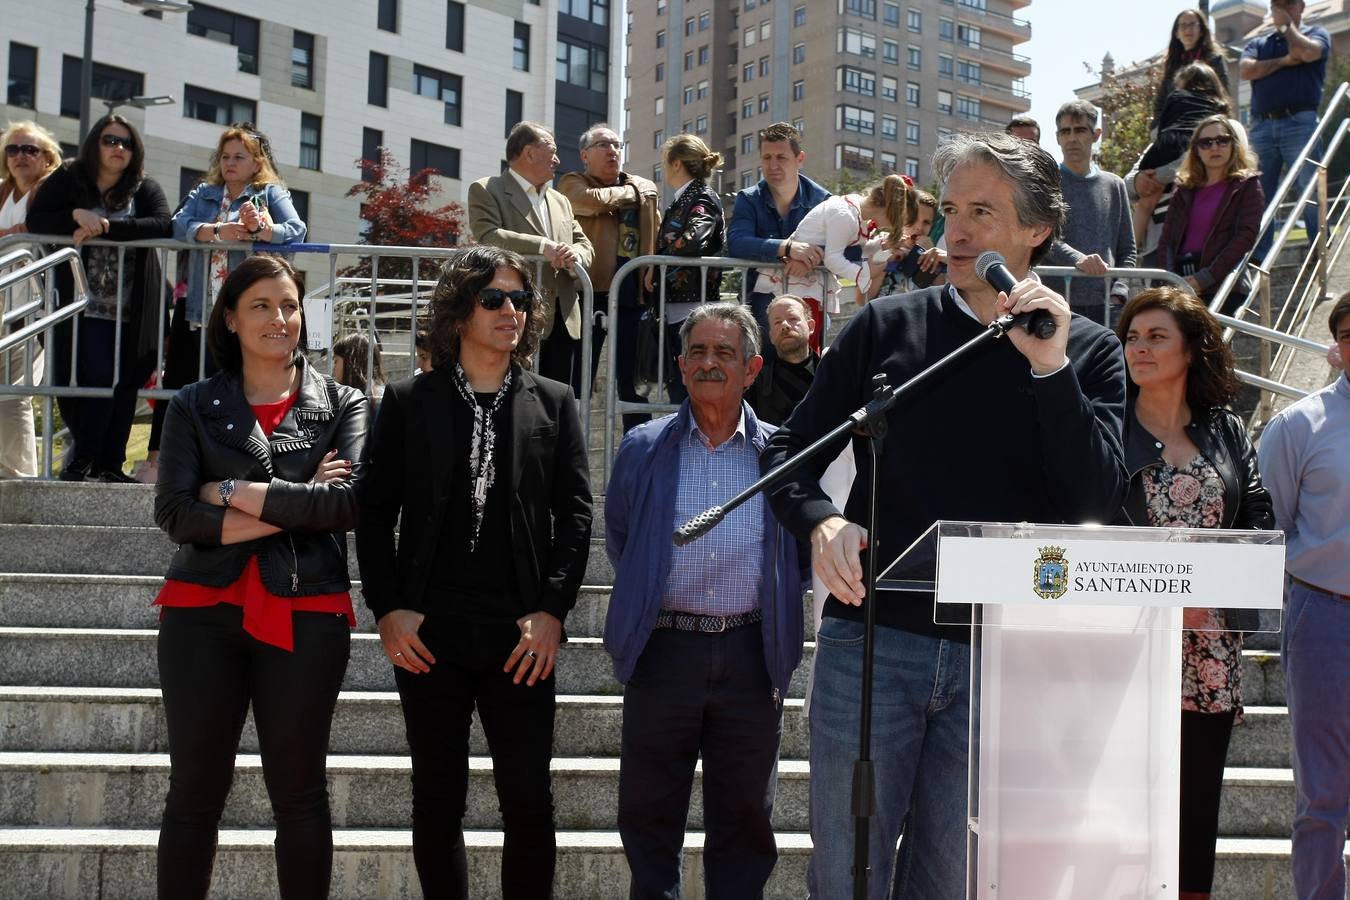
x: 531, y: 654
x: 399, y: 653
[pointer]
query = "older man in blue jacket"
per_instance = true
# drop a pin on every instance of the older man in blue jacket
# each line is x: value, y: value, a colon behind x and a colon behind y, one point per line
x: 704, y: 637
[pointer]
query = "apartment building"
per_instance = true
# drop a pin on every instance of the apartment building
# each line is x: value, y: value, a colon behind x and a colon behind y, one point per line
x: 438, y: 82
x: 873, y: 85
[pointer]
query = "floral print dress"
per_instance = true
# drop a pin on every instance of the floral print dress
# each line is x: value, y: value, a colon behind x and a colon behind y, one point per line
x: 1191, y: 496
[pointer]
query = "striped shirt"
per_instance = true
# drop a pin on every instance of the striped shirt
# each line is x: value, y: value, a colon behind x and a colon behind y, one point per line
x: 720, y: 573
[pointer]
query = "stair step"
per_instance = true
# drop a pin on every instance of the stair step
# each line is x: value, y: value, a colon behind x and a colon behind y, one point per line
x: 376, y: 864
x: 126, y: 790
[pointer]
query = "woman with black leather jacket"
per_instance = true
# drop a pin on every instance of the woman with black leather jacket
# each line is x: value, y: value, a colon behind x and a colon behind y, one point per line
x: 258, y: 473
x: 692, y: 226
x: 1191, y: 465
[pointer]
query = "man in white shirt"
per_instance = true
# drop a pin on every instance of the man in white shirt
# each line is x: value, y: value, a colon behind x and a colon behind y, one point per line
x: 520, y: 210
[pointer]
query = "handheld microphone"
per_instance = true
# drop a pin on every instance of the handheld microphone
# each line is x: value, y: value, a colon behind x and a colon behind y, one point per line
x: 992, y: 268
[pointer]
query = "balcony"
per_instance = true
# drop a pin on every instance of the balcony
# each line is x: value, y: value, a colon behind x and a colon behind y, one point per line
x: 974, y: 11
x: 1000, y: 95
x: 1015, y: 64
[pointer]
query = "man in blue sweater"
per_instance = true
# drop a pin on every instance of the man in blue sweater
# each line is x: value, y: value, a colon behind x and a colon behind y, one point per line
x: 1023, y: 429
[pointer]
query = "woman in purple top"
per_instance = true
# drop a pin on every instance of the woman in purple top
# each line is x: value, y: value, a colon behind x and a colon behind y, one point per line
x: 1216, y: 213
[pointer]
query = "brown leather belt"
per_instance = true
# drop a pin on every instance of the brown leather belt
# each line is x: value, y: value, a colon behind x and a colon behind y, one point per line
x: 1321, y: 590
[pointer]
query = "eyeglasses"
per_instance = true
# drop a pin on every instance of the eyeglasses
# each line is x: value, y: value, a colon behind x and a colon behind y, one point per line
x: 115, y: 140
x: 22, y: 149
x: 610, y: 145
x: 1220, y: 141
x: 492, y: 299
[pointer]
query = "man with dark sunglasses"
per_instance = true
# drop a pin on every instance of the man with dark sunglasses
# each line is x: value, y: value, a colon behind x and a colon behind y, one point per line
x: 521, y: 211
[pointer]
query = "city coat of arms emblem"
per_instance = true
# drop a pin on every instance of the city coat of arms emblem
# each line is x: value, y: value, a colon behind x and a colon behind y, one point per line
x: 1051, y: 574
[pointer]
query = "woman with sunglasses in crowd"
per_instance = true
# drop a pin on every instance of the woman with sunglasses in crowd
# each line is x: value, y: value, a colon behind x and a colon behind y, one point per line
x: 103, y: 195
x: 1215, y: 214
x: 257, y: 487
x: 241, y: 199
x: 30, y: 155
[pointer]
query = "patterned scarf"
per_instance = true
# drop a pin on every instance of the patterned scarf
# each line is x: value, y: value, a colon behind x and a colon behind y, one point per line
x: 482, y: 447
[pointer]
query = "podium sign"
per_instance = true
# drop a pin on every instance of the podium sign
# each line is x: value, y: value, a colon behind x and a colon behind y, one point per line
x: 1075, y: 667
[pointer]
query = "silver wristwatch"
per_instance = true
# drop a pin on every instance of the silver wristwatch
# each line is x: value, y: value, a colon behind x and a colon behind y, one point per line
x: 226, y: 490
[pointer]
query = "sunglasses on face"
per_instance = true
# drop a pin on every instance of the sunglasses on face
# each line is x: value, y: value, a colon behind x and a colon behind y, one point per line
x: 1221, y: 141
x: 492, y: 299
x: 114, y: 140
x: 22, y: 150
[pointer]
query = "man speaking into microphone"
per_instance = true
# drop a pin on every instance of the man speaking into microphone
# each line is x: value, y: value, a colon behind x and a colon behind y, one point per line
x: 1024, y: 428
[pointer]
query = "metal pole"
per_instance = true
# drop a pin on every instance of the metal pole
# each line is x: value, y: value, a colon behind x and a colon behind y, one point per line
x: 87, y: 69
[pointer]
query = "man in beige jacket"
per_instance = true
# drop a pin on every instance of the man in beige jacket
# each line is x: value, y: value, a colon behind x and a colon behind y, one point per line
x: 520, y: 210
x: 620, y: 212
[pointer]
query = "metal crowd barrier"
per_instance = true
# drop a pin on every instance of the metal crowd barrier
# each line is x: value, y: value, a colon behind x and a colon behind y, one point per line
x: 350, y: 304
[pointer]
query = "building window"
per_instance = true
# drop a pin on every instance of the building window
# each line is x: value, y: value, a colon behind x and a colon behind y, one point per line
x: 749, y: 5
x: 847, y: 156
x: 443, y: 161
x: 454, y: 26
x: 594, y: 11
x: 763, y: 103
x: 944, y: 66
x: 108, y: 83
x: 887, y: 162
x: 701, y: 125
x: 968, y: 72
x: 944, y: 104
x: 22, y: 76
x: 311, y: 140
x: 748, y: 38
x: 228, y: 28
x: 748, y: 72
x: 946, y: 29
x: 189, y: 179
x: 911, y: 132
x: 687, y: 127
x: 891, y: 13
x: 798, y: 90
x: 747, y: 144
x: 968, y: 108
x: 660, y: 74
x: 689, y: 26
x: 371, y: 141
x: 660, y: 39
x: 912, y: 93
x: 583, y: 65
x: 944, y: 134
x: 912, y: 167
x: 302, y: 60
x: 515, y: 110
x: 658, y: 138
x: 438, y: 85
x: 799, y: 17
x: 765, y: 30
x: 747, y: 179
x: 913, y: 58
x: 890, y: 127
x: 800, y: 125
x: 890, y: 52
x: 386, y: 18
x: 660, y: 7
x: 704, y: 20
x: 702, y: 91
x: 889, y: 88
x: 856, y: 81
x: 854, y: 118
x: 798, y: 54
x: 859, y: 43
x: 969, y: 35
x: 865, y: 8
x: 377, y: 80
x: 660, y: 106
x: 914, y: 20
x: 520, y: 48
x: 299, y: 200
x: 748, y: 109
x: 688, y: 95
x: 689, y: 60
x: 763, y: 67
x: 213, y: 106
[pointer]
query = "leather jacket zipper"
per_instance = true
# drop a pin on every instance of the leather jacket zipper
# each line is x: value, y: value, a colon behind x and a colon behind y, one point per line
x: 295, y: 570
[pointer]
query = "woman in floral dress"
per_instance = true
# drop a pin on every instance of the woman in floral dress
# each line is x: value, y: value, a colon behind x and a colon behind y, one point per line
x: 1192, y: 466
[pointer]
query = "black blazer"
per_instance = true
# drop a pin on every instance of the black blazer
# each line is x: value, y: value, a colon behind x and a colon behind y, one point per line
x: 49, y: 213
x: 210, y: 433
x: 408, y: 475
x: 1223, y: 440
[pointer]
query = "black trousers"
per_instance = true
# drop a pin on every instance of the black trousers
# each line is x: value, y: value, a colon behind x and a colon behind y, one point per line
x: 181, y: 360
x: 1204, y: 749
x: 518, y: 723
x: 210, y: 671
x: 695, y: 695
x: 100, y: 426
x: 560, y: 353
x: 624, y: 348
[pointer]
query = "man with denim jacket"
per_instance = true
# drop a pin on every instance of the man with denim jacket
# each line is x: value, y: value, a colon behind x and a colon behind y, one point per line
x: 704, y: 637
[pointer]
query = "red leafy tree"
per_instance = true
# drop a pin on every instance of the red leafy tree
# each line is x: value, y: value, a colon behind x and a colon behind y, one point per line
x: 398, y: 209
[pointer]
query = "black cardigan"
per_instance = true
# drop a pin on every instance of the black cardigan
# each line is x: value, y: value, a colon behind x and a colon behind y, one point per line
x: 49, y: 212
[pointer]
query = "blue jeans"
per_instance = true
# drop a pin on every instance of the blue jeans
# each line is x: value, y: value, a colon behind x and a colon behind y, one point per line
x: 920, y: 738
x: 1316, y: 659
x: 1278, y: 143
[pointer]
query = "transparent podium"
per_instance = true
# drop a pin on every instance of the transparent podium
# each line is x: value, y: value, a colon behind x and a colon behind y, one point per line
x: 1076, y: 668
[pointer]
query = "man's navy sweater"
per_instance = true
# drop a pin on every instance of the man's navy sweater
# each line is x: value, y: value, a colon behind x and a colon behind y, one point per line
x: 986, y: 441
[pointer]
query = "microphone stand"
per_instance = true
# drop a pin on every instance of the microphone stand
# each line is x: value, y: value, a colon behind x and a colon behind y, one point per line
x: 869, y: 420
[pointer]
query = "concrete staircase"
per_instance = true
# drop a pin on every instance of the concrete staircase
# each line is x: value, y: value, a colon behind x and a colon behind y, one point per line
x: 84, y: 765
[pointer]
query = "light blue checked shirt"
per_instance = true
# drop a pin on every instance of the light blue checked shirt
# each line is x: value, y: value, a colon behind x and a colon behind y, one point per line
x: 720, y: 573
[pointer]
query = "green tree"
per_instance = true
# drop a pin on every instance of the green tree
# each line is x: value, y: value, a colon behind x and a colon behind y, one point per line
x: 1127, y: 111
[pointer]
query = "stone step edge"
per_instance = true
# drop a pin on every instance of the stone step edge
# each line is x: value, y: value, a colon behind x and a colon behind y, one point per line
x: 376, y: 839
x: 53, y: 762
